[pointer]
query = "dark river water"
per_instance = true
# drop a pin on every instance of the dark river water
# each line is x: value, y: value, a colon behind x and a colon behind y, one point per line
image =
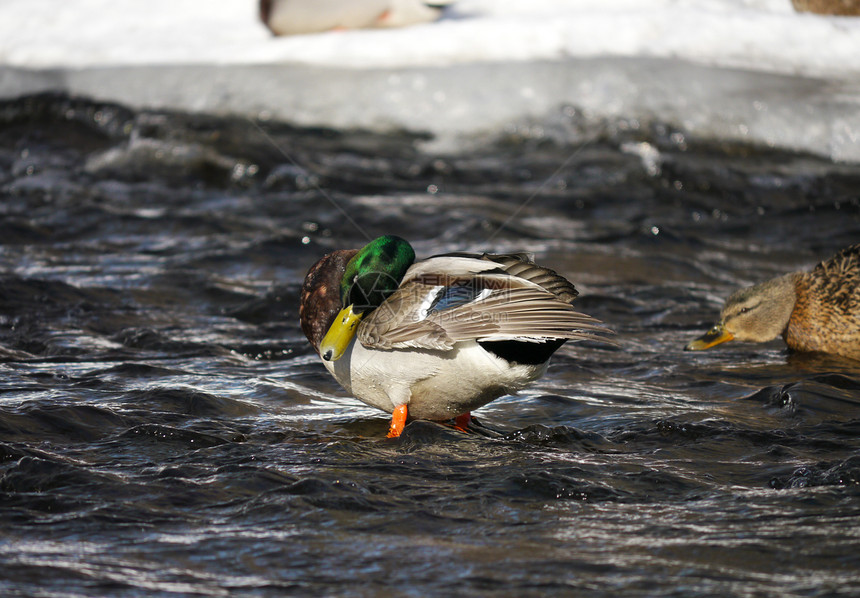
x: 166, y: 430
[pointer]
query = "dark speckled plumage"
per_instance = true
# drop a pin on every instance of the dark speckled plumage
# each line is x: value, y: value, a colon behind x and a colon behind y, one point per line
x: 826, y: 316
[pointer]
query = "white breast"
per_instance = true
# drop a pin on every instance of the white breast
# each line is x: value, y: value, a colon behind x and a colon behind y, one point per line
x: 435, y: 385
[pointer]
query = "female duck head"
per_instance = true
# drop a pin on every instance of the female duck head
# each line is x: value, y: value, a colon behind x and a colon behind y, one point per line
x: 369, y: 278
x: 757, y: 314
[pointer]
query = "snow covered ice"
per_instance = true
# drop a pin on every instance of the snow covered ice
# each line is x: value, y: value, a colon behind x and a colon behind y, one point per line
x: 738, y: 70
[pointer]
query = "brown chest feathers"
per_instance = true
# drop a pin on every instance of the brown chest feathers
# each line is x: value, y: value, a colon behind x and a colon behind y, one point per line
x: 320, y: 301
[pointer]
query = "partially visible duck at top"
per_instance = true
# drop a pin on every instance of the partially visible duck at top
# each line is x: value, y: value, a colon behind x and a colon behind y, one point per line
x: 846, y: 8
x: 812, y: 311
x: 293, y: 17
x: 437, y: 338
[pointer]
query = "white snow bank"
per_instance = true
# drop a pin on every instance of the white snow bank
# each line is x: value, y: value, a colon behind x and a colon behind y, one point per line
x: 738, y: 69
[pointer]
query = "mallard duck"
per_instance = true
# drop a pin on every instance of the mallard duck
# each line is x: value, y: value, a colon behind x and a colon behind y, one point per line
x: 291, y: 17
x: 813, y: 311
x: 437, y: 338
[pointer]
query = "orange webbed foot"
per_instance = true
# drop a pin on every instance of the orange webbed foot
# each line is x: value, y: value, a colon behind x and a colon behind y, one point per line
x: 398, y: 421
x: 461, y: 422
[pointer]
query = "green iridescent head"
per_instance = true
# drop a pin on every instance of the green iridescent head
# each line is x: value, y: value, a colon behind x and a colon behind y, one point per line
x: 375, y: 272
x: 370, y: 277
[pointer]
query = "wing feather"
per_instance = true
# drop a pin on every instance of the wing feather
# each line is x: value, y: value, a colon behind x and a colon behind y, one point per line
x: 515, y: 308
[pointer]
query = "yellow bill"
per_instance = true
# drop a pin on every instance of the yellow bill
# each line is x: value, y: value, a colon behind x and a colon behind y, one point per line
x: 716, y: 335
x: 339, y: 335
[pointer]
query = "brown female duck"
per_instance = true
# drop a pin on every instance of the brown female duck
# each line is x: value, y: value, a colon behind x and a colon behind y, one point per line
x: 812, y: 311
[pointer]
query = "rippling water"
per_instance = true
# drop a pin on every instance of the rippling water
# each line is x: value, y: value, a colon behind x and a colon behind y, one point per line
x: 165, y: 429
